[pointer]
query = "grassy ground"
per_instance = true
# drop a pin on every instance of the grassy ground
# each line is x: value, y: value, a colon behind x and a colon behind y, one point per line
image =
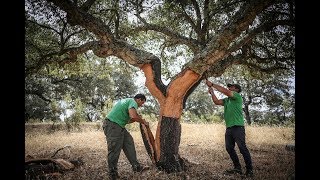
x: 201, y: 144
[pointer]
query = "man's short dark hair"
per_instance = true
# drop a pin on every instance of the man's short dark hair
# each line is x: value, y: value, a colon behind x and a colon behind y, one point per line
x: 140, y: 96
x: 236, y: 86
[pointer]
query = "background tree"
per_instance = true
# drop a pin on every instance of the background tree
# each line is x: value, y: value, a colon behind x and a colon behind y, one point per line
x: 213, y: 34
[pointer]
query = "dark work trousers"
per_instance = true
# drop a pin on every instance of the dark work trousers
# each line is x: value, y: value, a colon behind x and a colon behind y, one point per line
x: 236, y: 134
x: 118, y: 138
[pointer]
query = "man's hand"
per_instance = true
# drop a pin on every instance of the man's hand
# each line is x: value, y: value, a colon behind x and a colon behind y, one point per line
x: 145, y: 122
x: 210, y: 90
x: 209, y: 84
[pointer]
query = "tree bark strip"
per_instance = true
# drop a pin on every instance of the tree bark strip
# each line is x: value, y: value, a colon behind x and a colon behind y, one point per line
x: 148, y: 141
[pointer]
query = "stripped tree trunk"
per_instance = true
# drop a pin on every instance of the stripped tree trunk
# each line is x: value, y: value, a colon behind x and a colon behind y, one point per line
x: 163, y: 149
x: 165, y: 153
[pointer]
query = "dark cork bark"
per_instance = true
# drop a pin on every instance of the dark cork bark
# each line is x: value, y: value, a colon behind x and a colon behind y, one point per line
x: 170, y: 132
x: 156, y: 69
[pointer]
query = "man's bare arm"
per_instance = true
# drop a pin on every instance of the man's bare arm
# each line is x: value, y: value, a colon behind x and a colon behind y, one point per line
x: 214, y: 97
x: 135, y: 117
x: 219, y: 88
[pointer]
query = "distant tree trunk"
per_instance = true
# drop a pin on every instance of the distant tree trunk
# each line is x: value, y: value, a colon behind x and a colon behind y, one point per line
x: 89, y: 117
x: 246, y: 109
x: 281, y: 117
x: 247, y: 114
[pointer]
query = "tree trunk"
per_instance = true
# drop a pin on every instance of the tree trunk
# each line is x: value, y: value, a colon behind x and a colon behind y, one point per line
x: 247, y: 102
x: 170, y: 133
x: 163, y: 149
x: 247, y: 114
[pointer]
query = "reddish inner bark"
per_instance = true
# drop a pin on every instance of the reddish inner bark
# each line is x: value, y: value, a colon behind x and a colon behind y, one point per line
x: 164, y: 149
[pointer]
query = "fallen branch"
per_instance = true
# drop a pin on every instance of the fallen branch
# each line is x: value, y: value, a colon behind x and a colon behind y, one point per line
x: 67, y: 146
x: 49, y: 167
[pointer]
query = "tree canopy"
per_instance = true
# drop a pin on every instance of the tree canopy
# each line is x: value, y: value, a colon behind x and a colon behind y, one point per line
x: 174, y: 37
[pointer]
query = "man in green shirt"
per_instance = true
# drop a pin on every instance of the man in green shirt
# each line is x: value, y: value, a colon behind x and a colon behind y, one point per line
x: 118, y: 138
x: 235, y: 132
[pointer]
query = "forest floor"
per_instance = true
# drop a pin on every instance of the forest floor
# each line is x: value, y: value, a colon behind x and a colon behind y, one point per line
x: 202, y: 145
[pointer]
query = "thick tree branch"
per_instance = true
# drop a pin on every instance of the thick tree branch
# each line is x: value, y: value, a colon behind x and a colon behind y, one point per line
x: 153, y: 84
x: 176, y: 91
x: 219, y: 68
x: 188, y: 19
x: 77, y: 16
x: 217, y: 48
x: 43, y: 26
x: 87, y: 5
x: 243, y: 18
x: 61, y: 57
x: 108, y: 45
x: 198, y: 14
x: 206, y: 19
x: 265, y: 27
x: 264, y: 64
x: 72, y: 34
x: 265, y: 68
x: 62, y: 40
x: 191, y: 43
x: 75, y: 51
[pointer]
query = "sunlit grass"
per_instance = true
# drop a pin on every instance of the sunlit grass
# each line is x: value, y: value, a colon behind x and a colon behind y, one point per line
x: 201, y: 144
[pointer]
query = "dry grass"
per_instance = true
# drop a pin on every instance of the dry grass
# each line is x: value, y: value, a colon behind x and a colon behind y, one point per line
x: 201, y: 144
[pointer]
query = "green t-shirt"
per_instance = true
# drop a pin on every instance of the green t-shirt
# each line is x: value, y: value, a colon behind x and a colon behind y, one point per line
x: 120, y: 111
x: 233, y: 110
